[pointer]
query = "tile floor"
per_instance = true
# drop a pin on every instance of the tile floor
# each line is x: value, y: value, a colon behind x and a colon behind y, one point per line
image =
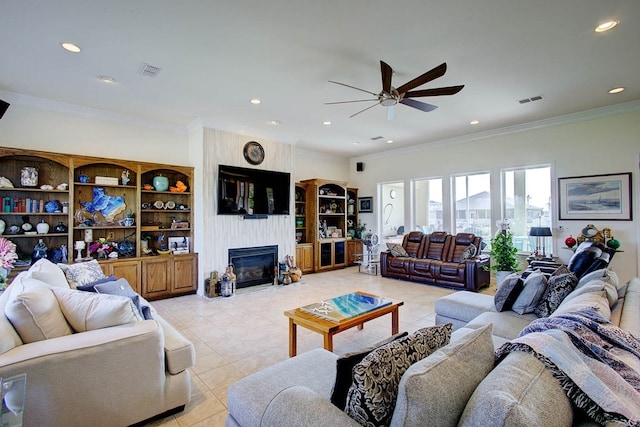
x: 237, y: 336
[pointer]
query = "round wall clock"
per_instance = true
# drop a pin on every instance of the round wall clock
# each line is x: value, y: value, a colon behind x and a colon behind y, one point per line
x: 253, y: 152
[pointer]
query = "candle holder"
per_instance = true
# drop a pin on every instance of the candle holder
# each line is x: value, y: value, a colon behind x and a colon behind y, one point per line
x: 79, y: 246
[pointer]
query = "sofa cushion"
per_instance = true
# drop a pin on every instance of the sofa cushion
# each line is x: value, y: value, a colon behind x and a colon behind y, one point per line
x: 36, y: 315
x: 90, y: 287
x: 46, y: 271
x: 86, y: 311
x: 508, y: 292
x: 397, y: 250
x: 435, y: 390
x: 372, y: 396
x: 595, y: 298
x: 344, y: 370
x: 534, y: 286
x: 520, y: 391
x: 558, y: 287
x: 123, y: 288
x: 506, y: 324
x: 82, y: 273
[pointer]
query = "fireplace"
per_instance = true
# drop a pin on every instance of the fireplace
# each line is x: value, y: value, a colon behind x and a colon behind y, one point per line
x: 254, y: 266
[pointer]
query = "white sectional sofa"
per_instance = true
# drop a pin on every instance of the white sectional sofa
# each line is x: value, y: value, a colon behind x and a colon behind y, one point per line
x: 119, y: 370
x: 518, y: 391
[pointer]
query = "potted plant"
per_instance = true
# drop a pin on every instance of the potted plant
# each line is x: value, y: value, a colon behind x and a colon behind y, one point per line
x: 503, y: 254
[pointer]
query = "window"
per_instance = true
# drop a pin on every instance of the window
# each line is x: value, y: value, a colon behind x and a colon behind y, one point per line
x: 527, y: 202
x: 428, y: 205
x: 472, y: 198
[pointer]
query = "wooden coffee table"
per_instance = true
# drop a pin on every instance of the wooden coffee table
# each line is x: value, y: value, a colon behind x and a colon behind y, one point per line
x: 329, y: 328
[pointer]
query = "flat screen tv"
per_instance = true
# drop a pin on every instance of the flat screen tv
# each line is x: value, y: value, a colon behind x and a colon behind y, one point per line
x: 244, y: 191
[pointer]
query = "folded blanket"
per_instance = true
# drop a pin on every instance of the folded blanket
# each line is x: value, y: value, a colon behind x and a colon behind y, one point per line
x: 596, y: 362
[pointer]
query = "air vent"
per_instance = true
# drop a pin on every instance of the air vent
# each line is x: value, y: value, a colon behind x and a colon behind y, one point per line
x: 149, y: 70
x: 375, y: 138
x: 533, y: 98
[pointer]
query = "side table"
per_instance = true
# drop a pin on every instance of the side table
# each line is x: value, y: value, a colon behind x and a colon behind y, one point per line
x: 13, y: 395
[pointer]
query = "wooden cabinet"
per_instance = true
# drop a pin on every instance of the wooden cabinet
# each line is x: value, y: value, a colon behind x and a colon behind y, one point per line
x: 354, y: 247
x: 301, y: 213
x: 77, y: 189
x: 332, y: 253
x: 40, y: 193
x: 304, y: 257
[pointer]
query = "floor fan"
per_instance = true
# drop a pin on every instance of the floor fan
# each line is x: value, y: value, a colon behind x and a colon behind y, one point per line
x: 370, y: 240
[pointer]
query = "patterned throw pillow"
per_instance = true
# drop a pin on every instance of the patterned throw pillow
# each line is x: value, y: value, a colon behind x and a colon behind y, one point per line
x: 469, y: 252
x: 508, y: 292
x: 558, y: 287
x: 82, y: 273
x: 372, y: 396
x: 344, y: 370
x: 397, y: 250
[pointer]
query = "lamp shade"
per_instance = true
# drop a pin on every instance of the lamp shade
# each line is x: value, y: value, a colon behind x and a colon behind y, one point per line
x: 540, y: 231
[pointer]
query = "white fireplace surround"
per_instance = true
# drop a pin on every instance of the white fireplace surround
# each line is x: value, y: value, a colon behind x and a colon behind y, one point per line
x: 221, y: 232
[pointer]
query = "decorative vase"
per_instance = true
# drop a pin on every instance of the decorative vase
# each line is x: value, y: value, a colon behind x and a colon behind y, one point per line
x: 60, y: 228
x: 161, y: 183
x: 29, y: 177
x: 570, y: 242
x: 83, y: 178
x: 42, y: 227
x: 39, y: 251
x: 613, y: 243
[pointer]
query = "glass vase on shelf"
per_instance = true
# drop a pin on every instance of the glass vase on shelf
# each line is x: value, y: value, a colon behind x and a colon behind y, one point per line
x: 39, y: 251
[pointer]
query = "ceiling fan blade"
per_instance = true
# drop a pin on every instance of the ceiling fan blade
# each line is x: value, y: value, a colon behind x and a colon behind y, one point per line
x: 425, y: 78
x: 423, y: 106
x: 439, y: 91
x: 353, y: 87
x: 362, y: 111
x: 391, y: 112
x: 347, y: 102
x: 387, y: 73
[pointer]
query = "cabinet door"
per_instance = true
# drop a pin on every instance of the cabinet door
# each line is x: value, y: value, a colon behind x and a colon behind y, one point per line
x: 325, y: 254
x: 354, y: 247
x: 307, y: 258
x: 339, y: 253
x: 185, y: 273
x: 155, y: 277
x: 129, y: 270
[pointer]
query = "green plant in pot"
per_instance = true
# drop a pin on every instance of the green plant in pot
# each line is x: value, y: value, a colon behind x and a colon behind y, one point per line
x: 503, y: 254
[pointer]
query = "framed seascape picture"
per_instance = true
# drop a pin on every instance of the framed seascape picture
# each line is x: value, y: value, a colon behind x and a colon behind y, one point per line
x: 606, y: 197
x: 365, y: 204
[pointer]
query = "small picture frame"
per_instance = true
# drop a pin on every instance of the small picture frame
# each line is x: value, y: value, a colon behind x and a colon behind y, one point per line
x: 365, y: 204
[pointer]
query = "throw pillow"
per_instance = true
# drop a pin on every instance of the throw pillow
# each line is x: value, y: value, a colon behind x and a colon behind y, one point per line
x: 48, y: 272
x: 36, y: 315
x: 123, y: 288
x: 90, y: 287
x: 603, y: 274
x: 558, y: 287
x: 344, y: 370
x: 86, y: 311
x: 372, y: 396
x: 434, y: 391
x: 508, y: 292
x: 397, y: 250
x: 82, y: 273
x: 534, y: 286
x: 469, y: 252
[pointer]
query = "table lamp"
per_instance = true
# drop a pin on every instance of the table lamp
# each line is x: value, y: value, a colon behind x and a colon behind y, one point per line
x: 541, y: 234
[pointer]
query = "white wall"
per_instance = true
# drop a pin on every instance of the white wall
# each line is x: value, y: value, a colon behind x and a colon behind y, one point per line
x: 573, y: 146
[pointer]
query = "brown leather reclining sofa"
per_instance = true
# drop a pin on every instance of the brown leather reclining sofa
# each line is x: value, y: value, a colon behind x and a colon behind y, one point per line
x: 439, y: 259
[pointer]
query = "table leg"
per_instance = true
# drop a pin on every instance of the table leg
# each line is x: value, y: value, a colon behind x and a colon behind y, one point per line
x: 360, y: 326
x: 293, y: 338
x: 394, y: 321
x: 328, y: 341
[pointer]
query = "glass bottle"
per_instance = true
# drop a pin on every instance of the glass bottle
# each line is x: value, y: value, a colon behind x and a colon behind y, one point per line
x: 226, y: 286
x: 39, y: 251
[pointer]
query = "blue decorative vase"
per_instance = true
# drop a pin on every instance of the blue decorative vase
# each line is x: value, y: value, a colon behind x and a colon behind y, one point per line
x: 161, y: 183
x: 53, y: 206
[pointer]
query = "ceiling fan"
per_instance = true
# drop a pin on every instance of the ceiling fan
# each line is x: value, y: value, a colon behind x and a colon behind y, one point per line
x: 390, y: 96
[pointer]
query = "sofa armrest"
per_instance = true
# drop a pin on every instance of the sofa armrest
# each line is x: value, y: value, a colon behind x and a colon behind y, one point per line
x: 178, y: 351
x: 477, y: 273
x: 298, y: 406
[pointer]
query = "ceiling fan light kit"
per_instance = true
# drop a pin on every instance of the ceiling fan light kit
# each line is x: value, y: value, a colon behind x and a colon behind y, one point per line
x: 389, y: 96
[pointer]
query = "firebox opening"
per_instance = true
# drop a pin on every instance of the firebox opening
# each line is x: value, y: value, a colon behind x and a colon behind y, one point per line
x: 254, y: 266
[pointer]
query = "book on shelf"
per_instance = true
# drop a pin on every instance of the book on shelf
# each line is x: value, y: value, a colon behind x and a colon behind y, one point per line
x: 345, y: 306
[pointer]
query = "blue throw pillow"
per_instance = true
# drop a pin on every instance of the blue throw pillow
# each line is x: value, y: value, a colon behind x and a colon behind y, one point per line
x: 90, y: 286
x: 121, y: 287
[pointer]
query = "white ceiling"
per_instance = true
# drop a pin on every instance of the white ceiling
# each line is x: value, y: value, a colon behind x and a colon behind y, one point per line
x: 216, y: 55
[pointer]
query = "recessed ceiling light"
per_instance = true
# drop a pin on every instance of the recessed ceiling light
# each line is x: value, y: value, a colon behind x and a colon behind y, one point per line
x: 389, y: 141
x: 107, y: 79
x: 606, y: 26
x: 616, y: 90
x: 71, y: 47
x: 474, y: 122
x: 255, y: 101
x: 275, y: 122
x: 326, y: 122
